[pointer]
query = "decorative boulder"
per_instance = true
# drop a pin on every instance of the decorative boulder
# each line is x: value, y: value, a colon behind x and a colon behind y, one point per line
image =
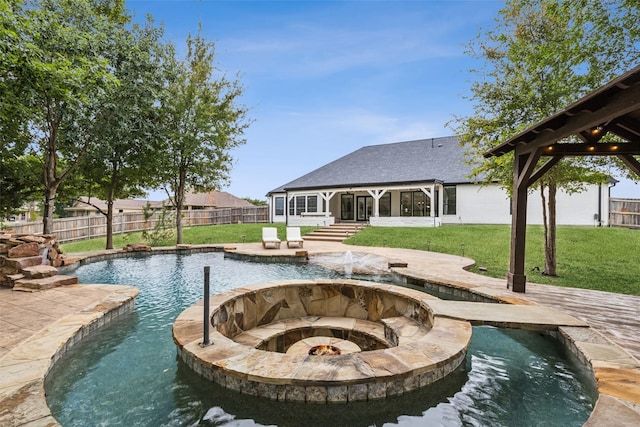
x: 137, y: 247
x: 24, y: 250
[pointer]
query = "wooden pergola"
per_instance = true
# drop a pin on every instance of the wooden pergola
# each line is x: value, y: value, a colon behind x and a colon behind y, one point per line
x: 613, y: 109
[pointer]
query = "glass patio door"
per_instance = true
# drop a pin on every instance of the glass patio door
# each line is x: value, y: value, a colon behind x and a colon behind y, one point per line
x: 365, y: 207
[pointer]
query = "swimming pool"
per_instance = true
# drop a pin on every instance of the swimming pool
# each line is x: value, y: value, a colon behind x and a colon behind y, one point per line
x: 128, y: 374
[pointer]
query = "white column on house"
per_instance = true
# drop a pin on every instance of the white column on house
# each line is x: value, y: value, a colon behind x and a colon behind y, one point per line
x: 290, y: 197
x: 441, y: 200
x: 326, y: 196
x: 376, y: 194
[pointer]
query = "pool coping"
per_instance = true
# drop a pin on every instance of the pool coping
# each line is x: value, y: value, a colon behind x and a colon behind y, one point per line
x: 24, y: 368
x: 615, y: 372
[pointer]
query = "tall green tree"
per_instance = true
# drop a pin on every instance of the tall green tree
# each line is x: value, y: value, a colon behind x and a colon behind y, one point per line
x: 17, y: 185
x: 127, y: 121
x: 57, y: 67
x: 541, y: 56
x: 204, y: 123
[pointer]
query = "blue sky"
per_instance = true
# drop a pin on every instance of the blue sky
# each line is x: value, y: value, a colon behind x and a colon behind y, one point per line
x: 324, y: 78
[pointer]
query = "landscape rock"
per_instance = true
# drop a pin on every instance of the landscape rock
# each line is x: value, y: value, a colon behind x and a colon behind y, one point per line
x: 23, y: 255
x: 39, y: 271
x: 137, y: 247
x: 24, y: 250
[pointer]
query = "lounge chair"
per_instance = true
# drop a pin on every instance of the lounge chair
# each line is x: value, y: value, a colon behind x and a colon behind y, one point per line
x: 293, y: 237
x: 270, y: 238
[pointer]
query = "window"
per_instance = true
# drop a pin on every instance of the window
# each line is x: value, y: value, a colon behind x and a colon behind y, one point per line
x: 449, y: 202
x: 384, y: 207
x: 312, y: 203
x: 415, y: 203
x: 280, y: 206
x: 300, y: 204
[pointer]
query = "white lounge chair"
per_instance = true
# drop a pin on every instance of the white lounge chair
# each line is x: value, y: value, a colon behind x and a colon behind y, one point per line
x: 270, y: 237
x: 293, y: 237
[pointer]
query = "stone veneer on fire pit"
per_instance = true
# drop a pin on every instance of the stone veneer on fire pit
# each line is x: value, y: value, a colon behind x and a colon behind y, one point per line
x: 390, y: 340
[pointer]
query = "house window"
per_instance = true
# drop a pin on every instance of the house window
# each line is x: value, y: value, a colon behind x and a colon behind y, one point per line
x: 414, y: 203
x: 280, y: 206
x: 300, y: 204
x: 449, y: 202
x: 384, y: 206
x: 312, y: 203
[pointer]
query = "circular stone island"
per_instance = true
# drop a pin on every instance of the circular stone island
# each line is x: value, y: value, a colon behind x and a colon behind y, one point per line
x: 322, y: 340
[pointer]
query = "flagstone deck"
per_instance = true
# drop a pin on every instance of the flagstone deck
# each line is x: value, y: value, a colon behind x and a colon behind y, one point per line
x: 37, y: 326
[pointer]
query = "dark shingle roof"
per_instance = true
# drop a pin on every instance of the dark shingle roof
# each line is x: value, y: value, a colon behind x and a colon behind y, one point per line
x: 424, y: 160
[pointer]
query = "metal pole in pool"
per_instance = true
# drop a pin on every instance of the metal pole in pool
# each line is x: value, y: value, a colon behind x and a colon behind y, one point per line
x: 205, y: 340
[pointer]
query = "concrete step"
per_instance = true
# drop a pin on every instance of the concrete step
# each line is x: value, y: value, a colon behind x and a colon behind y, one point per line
x: 334, y: 232
x: 44, y: 283
x: 324, y: 238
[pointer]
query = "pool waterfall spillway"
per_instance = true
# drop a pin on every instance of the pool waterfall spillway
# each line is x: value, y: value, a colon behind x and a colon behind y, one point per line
x: 403, y: 345
x: 45, y: 254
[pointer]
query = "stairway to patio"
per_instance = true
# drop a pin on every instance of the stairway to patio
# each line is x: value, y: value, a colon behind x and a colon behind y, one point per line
x: 335, y: 232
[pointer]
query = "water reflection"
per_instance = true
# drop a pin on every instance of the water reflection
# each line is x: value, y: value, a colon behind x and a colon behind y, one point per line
x: 219, y: 406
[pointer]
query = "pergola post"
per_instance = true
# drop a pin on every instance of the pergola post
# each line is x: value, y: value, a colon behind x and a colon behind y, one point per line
x: 523, y: 166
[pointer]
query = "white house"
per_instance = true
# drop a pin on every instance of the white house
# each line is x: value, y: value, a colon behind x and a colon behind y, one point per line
x: 423, y: 183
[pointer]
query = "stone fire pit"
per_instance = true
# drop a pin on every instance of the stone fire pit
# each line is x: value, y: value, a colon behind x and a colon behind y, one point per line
x: 385, y: 340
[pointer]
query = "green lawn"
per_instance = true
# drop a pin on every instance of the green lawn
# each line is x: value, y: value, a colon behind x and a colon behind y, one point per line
x: 607, y: 259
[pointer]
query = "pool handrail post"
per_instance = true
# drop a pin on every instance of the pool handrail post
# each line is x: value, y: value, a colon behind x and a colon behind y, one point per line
x: 205, y: 340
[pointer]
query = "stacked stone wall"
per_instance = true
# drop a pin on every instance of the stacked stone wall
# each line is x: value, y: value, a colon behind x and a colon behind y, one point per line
x: 28, y: 256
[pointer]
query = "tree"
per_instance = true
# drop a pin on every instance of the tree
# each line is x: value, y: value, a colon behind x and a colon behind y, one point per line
x: 56, y: 67
x: 127, y: 121
x: 540, y: 57
x: 203, y: 124
x: 17, y: 184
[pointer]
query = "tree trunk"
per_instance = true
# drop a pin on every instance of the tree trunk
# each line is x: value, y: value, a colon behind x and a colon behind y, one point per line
x: 109, y: 224
x: 549, y: 216
x: 49, y: 176
x: 179, y: 198
x: 179, y: 224
x: 49, y: 208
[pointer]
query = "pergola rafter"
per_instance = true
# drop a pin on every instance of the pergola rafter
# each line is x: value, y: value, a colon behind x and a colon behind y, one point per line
x: 613, y: 109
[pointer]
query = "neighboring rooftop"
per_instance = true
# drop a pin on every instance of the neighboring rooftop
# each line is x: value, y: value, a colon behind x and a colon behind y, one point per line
x: 212, y: 199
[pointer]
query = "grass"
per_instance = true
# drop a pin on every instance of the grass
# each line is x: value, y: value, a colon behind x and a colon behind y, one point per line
x: 605, y: 259
x: 212, y: 234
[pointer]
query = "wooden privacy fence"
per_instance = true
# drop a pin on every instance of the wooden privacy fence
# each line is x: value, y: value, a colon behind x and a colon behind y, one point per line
x: 87, y: 227
x: 624, y: 212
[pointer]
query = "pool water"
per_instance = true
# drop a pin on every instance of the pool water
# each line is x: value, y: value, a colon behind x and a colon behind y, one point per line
x: 128, y: 374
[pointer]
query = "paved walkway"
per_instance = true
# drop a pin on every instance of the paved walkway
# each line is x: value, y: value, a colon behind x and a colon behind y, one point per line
x: 36, y: 328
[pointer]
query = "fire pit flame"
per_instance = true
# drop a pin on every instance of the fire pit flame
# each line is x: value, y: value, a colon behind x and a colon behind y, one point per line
x: 324, y: 350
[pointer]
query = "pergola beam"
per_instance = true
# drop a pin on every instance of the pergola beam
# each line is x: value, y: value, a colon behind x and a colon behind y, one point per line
x: 618, y: 105
x: 597, y: 149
